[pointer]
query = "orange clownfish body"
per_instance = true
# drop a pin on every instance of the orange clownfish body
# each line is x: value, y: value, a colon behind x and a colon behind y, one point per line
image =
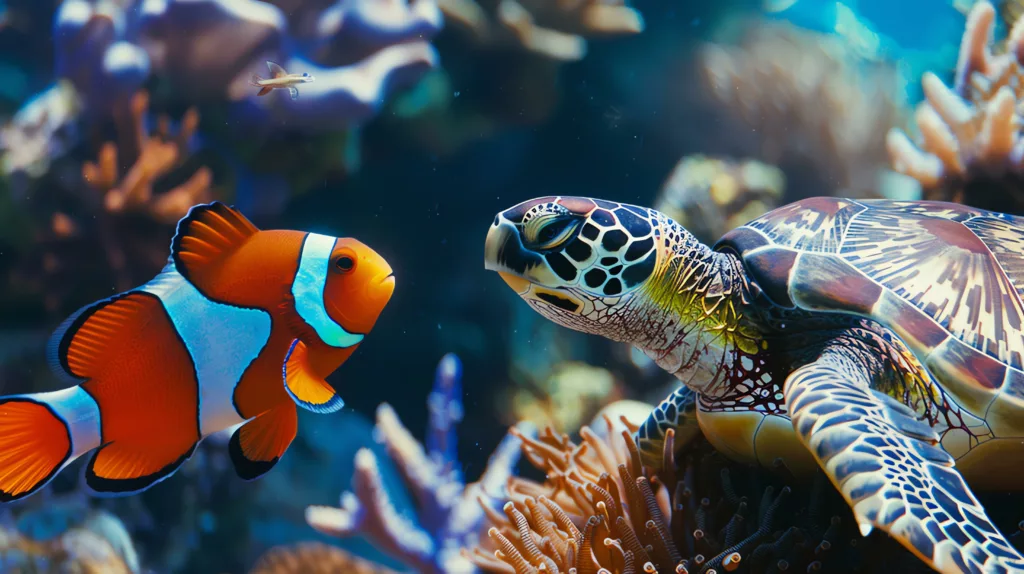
x: 239, y: 327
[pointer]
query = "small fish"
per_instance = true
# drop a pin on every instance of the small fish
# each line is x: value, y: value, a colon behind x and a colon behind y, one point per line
x: 280, y: 79
x: 238, y: 328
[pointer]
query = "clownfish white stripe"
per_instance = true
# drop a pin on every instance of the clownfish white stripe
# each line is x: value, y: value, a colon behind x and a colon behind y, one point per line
x: 219, y: 361
x: 308, y: 291
x: 79, y: 411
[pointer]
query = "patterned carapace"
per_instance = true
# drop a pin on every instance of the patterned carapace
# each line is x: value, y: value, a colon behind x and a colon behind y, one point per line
x: 881, y: 341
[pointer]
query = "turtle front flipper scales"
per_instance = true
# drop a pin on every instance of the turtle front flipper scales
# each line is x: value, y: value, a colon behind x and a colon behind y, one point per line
x: 889, y: 467
x: 677, y: 412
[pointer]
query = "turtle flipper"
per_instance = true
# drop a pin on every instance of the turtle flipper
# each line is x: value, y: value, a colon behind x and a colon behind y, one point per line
x: 678, y: 411
x: 889, y: 468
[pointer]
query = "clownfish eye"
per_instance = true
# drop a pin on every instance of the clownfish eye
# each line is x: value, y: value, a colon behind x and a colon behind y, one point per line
x: 344, y: 264
x: 305, y: 74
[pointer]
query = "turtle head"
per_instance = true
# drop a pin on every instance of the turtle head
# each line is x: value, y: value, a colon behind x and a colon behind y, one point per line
x: 577, y: 261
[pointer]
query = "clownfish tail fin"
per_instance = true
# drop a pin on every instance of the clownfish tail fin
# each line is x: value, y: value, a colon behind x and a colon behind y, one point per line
x: 40, y: 434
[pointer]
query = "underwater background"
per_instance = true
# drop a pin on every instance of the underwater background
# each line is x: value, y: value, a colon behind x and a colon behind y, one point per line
x: 427, y: 118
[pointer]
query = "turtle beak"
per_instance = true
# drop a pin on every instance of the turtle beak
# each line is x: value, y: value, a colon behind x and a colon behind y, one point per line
x: 518, y: 284
x: 504, y: 253
x: 499, y: 236
x: 518, y: 266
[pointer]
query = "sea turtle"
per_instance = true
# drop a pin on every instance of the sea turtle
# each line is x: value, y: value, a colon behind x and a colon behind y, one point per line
x: 880, y: 340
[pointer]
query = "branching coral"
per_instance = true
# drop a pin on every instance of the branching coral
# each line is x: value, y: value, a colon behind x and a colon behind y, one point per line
x: 599, y: 511
x: 810, y: 102
x: 150, y: 157
x: 552, y: 28
x: 314, y: 558
x: 142, y: 180
x: 711, y: 196
x: 449, y: 512
x: 971, y: 150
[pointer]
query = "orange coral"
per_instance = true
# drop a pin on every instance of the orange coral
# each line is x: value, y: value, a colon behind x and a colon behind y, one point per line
x: 111, y: 230
x: 971, y: 150
x: 150, y: 157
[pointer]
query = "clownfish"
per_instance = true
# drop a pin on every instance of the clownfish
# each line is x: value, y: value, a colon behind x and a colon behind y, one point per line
x: 240, y: 327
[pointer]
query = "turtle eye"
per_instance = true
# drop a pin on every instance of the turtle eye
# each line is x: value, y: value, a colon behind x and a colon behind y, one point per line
x: 549, y: 232
x: 344, y: 264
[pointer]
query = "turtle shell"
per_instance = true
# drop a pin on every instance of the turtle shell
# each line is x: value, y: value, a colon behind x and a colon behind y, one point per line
x: 946, y: 278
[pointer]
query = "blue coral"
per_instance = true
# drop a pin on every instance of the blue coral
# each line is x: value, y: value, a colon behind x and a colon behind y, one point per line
x: 450, y: 514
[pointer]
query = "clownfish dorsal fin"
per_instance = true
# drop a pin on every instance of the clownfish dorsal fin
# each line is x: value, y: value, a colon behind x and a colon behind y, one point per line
x: 207, y: 235
x: 275, y: 70
x: 256, y: 446
x: 308, y: 390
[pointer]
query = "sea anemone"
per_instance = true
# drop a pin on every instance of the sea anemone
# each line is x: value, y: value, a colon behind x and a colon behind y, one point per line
x: 599, y: 510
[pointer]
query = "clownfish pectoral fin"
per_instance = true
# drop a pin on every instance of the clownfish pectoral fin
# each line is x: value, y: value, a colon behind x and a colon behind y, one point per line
x: 265, y: 91
x: 121, y: 468
x: 275, y: 70
x: 293, y: 92
x: 257, y: 445
x: 308, y: 390
x: 207, y: 235
x: 35, y: 443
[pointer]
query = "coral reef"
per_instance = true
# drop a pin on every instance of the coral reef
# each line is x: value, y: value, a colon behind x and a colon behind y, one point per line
x: 812, y: 104
x: 359, y: 52
x: 208, y: 49
x: 112, y: 227
x: 44, y: 129
x: 449, y: 511
x: 553, y: 29
x: 91, y: 52
x: 314, y: 558
x: 970, y: 149
x: 570, y: 394
x: 96, y: 544
x: 599, y: 510
x: 150, y: 157
x: 203, y: 52
x: 710, y: 196
x: 511, y: 52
